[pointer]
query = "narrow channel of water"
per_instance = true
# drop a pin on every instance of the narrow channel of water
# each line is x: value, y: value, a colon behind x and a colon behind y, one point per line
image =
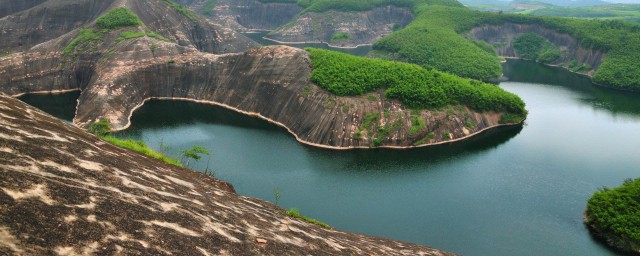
x: 512, y: 191
x: 358, y: 51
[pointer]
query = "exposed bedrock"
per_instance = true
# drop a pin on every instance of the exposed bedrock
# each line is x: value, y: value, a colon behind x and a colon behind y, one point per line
x: 502, y: 36
x: 361, y: 27
x: 269, y: 82
x: 55, y: 18
x: 255, y: 15
x: 66, y: 192
x: 12, y: 6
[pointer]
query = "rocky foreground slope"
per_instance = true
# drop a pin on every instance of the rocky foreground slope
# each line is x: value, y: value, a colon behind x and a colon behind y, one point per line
x: 66, y: 192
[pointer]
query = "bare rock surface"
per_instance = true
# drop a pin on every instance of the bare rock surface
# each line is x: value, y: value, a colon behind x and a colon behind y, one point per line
x: 66, y: 192
x: 502, y: 36
x: 361, y: 27
x: 196, y: 61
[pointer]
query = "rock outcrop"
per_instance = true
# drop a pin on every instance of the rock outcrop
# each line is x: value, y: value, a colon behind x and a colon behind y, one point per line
x: 66, y: 192
x: 502, y: 36
x: 117, y: 75
x: 357, y: 28
x: 253, y: 14
x: 53, y: 19
x: 11, y: 6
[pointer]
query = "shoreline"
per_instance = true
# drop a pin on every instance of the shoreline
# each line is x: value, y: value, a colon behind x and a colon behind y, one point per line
x: 300, y: 140
x: 317, y: 42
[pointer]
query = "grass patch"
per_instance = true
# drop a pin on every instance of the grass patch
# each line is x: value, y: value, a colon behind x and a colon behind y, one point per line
x: 341, y: 36
x: 86, y: 35
x: 370, y: 120
x: 117, y: 18
x: 130, y: 34
x: 181, y: 9
x: 295, y: 213
x: 157, y: 36
x: 102, y: 129
x: 141, y: 147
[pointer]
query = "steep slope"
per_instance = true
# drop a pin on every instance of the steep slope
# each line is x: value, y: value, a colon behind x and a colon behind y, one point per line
x: 343, y: 29
x: 66, y: 192
x: 502, y: 37
x: 55, y: 18
x: 10, y: 6
x: 119, y: 66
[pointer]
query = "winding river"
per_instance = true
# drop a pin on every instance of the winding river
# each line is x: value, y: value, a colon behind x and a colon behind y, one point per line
x: 511, y: 191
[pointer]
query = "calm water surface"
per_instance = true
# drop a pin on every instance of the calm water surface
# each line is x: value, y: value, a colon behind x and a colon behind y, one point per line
x: 513, y: 191
x: 359, y: 51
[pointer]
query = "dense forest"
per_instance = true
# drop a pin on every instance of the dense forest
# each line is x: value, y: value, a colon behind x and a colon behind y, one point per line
x: 416, y: 87
x: 435, y: 38
x: 615, y: 214
x: 621, y: 41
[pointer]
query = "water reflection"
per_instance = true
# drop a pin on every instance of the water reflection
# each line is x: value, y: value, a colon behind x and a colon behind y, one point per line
x: 61, y: 105
x: 599, y: 98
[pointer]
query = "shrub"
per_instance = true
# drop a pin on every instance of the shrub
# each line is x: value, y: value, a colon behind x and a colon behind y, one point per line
x: 117, y: 18
x: 341, y: 36
x: 101, y: 128
x: 615, y: 214
x: 347, y: 75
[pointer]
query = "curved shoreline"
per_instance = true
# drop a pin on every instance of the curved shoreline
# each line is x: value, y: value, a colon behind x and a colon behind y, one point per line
x: 318, y: 42
x: 258, y: 115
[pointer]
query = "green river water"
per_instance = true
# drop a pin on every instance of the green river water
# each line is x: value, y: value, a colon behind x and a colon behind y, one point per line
x: 511, y: 191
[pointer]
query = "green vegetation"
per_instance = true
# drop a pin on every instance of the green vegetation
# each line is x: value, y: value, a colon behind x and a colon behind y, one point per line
x: 615, y: 214
x: 117, y: 18
x: 181, y: 9
x: 140, y: 147
x: 417, y: 125
x: 86, y: 35
x: 194, y: 153
x: 130, y: 34
x: 358, y: 5
x: 574, y: 66
x: 434, y: 40
x: 102, y: 130
x: 296, y: 214
x: 208, y: 7
x: 341, y: 36
x: 629, y: 12
x: 531, y: 46
x: 157, y: 36
x: 416, y: 87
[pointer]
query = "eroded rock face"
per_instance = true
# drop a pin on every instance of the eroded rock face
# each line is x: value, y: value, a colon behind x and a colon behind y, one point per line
x: 66, y: 192
x: 272, y: 83
x: 56, y: 18
x: 362, y: 27
x: 11, y: 6
x: 253, y: 14
x: 502, y: 36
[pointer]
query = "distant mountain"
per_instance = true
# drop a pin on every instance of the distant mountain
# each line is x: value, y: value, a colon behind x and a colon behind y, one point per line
x: 571, y: 3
